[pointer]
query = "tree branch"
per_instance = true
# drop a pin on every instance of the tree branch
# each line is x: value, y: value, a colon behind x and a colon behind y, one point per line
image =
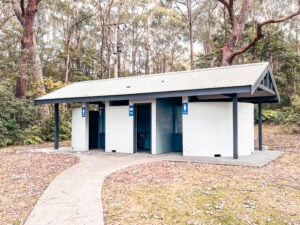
x: 259, y: 33
x: 244, y: 10
x: 22, y: 7
x: 18, y: 13
x: 230, y: 9
x: 182, y: 13
x: 225, y: 3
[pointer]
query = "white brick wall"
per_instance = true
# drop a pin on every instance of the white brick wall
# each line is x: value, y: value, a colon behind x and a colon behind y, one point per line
x: 207, y: 129
x: 118, y: 129
x: 246, y: 128
x: 80, y: 130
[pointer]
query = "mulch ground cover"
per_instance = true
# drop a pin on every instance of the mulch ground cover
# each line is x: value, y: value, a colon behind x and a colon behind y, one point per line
x: 24, y: 175
x: 193, y: 193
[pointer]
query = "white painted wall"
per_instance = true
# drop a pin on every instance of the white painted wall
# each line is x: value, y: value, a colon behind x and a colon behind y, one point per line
x: 80, y: 130
x: 118, y: 129
x: 207, y: 129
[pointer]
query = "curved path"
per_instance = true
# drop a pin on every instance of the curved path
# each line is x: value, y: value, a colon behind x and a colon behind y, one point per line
x: 74, y: 196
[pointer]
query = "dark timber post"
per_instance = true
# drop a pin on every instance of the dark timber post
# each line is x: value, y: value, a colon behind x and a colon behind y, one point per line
x: 56, y: 130
x: 235, y: 125
x: 259, y: 127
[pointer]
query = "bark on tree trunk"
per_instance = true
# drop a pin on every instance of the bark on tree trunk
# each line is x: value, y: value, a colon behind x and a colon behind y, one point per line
x: 133, y: 53
x: 147, y: 61
x: 68, y: 46
x: 30, y: 66
x: 103, y: 36
x: 190, y: 21
x: 78, y: 40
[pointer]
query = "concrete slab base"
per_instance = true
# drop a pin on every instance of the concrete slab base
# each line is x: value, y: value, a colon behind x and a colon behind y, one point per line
x: 257, y: 159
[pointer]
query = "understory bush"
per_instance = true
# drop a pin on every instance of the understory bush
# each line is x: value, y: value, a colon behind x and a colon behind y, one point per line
x: 287, y: 117
x: 15, y: 116
x: 20, y: 122
x: 64, y: 129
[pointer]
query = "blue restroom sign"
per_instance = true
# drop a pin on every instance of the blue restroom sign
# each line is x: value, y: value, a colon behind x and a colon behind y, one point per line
x: 185, y: 108
x: 131, y: 110
x: 83, y: 112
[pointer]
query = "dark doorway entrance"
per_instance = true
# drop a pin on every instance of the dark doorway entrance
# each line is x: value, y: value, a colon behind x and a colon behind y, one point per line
x: 93, y: 129
x: 97, y: 129
x: 142, y: 127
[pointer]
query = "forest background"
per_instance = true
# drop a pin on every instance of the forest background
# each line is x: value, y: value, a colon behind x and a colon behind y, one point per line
x: 47, y: 44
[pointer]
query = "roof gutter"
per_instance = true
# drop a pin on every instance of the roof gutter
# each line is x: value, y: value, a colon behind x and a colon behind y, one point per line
x: 199, y: 92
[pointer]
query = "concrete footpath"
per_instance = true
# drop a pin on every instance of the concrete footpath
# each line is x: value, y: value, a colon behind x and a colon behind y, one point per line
x: 74, y: 196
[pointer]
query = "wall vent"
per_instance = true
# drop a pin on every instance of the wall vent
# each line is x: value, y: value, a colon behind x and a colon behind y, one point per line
x: 218, y: 155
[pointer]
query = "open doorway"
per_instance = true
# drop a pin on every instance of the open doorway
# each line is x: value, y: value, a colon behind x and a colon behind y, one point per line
x: 93, y: 129
x: 142, y: 127
x: 97, y: 129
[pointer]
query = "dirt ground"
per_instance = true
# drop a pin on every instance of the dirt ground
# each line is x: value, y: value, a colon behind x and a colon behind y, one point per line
x: 193, y: 193
x: 24, y: 176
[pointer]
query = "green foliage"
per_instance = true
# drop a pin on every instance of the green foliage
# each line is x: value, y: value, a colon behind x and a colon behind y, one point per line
x: 288, y: 117
x: 32, y: 135
x: 15, y: 115
x: 47, y: 131
x: 20, y: 122
x: 270, y: 115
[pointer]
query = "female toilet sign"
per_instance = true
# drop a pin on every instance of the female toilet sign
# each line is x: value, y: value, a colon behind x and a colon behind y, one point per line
x: 185, y: 108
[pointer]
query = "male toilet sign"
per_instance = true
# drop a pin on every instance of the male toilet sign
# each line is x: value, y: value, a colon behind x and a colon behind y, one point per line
x: 185, y: 108
x: 131, y: 110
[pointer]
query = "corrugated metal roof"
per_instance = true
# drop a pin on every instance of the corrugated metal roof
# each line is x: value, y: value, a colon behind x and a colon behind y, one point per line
x: 212, y: 78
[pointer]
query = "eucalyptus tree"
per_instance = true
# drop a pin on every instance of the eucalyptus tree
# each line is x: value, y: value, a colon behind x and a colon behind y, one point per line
x: 30, y: 66
x: 167, y: 38
x: 191, y: 12
x: 30, y: 63
x: 238, y: 15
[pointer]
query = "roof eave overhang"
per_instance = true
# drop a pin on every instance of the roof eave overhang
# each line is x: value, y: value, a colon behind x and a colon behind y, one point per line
x: 211, y: 91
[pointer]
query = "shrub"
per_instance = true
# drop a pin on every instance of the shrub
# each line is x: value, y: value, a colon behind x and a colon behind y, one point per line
x: 47, y: 131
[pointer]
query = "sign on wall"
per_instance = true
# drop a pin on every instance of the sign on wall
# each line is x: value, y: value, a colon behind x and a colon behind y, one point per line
x: 131, y: 110
x: 83, y: 112
x: 185, y: 108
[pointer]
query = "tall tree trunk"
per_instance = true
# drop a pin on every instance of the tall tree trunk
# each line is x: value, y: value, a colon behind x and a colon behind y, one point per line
x: 102, y: 49
x: 78, y: 43
x: 68, y: 61
x: 109, y: 52
x: 134, y: 51
x: 190, y: 21
x: 147, y: 61
x: 30, y: 66
x: 118, y: 54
